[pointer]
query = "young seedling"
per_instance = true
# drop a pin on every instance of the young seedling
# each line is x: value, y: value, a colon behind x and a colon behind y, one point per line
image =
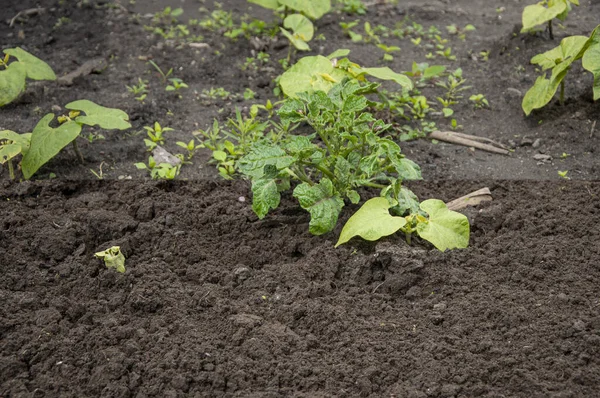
x: 544, y: 12
x: 347, y: 29
x: 460, y: 32
x: 388, y: 51
x: 13, y: 74
x: 190, y: 147
x: 12, y: 145
x: 139, y: 90
x: 155, y: 135
x: 113, y: 258
x: 559, y: 60
x: 162, y: 171
x: 45, y: 141
x: 176, y: 85
x: 162, y: 74
x: 479, y: 101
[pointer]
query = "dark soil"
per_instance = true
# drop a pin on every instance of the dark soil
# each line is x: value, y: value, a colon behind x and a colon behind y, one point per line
x: 215, y: 302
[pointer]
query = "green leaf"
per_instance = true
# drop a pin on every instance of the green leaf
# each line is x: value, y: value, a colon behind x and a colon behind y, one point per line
x: 13, y: 144
x: 310, y: 74
x: 591, y: 60
x: 407, y: 169
x: 35, y: 68
x: 300, y: 25
x: 12, y: 82
x: 385, y: 73
x: 323, y: 204
x: 314, y: 9
x: 265, y: 196
x: 445, y: 229
x: 106, y: 118
x: 568, y: 51
x: 113, y: 258
x: 46, y: 142
x: 371, y: 222
x: 339, y: 53
x: 270, y: 4
x: 297, y: 42
x: 537, y: 14
x: 261, y: 155
x: 408, y: 202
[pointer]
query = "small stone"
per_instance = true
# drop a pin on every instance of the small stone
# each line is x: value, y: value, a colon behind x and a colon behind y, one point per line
x: 562, y: 297
x: 56, y: 108
x: 579, y: 325
x: 161, y: 155
x: 241, y: 199
x: 537, y: 143
x: 542, y: 158
x: 439, y: 306
x: 413, y: 292
x: 242, y: 273
x: 512, y: 95
x: 436, y: 319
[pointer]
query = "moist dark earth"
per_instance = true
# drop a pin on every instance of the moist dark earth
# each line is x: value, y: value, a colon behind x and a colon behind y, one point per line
x: 217, y: 303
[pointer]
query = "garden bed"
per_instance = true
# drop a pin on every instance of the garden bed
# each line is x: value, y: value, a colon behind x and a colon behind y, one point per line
x: 216, y: 302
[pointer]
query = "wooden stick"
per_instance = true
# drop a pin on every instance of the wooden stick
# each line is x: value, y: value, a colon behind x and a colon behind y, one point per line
x: 472, y: 199
x: 24, y: 13
x: 453, y: 138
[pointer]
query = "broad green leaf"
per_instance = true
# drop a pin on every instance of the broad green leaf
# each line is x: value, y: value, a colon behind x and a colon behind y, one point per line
x: 339, y: 53
x: 265, y: 196
x: 270, y: 4
x: 309, y: 74
x: 314, y: 9
x: 300, y: 25
x: 569, y: 49
x: 253, y: 164
x: 445, y: 229
x: 113, y: 258
x: 385, y: 73
x: 323, y: 204
x: 591, y: 60
x: 35, y: 68
x: 13, y: 144
x: 537, y: 14
x: 295, y: 40
x: 12, y: 82
x: 538, y: 95
x: 46, y: 142
x: 106, y: 118
x: 433, y: 71
x: 371, y: 222
x: 301, y: 146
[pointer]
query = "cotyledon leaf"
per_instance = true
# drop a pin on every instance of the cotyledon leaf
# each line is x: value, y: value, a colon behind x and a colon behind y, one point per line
x: 12, y: 82
x: 591, y: 60
x: 35, y: 68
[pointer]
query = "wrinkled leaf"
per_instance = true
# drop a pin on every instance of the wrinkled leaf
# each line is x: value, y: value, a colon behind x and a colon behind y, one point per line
x: 591, y: 60
x: 253, y: 164
x: 407, y: 169
x: 35, y: 68
x: 445, y: 229
x: 46, y: 142
x: 314, y: 9
x: 323, y: 204
x: 106, y: 118
x: 12, y: 82
x: 113, y: 258
x: 371, y: 222
x: 265, y: 196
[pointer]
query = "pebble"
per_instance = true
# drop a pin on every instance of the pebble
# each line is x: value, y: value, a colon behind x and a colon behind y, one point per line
x: 439, y: 306
x: 512, y: 94
x: 537, y: 143
x: 241, y: 273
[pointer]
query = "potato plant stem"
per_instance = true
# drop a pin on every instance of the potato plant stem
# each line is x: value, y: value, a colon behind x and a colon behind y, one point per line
x: 77, y: 152
x: 550, y: 30
x: 562, y: 93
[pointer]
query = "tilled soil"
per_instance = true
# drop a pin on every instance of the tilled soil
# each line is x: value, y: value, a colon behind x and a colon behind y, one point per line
x: 215, y: 302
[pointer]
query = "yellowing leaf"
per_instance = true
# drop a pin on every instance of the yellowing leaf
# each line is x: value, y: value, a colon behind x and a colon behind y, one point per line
x: 445, y: 229
x: 371, y: 222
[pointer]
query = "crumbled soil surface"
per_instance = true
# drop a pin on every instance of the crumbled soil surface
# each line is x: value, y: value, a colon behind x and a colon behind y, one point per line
x: 215, y: 302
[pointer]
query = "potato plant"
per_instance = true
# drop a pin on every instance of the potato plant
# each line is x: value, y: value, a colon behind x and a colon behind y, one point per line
x: 544, y: 12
